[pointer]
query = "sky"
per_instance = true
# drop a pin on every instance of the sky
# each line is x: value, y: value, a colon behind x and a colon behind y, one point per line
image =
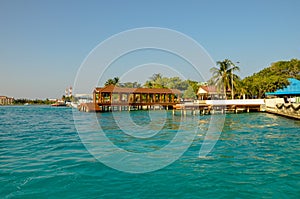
x: 44, y: 43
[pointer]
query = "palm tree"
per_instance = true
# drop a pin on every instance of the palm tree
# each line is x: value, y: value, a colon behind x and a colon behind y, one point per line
x: 156, y: 81
x: 114, y: 81
x: 241, y: 89
x: 224, y: 77
x: 155, y: 77
x: 148, y: 84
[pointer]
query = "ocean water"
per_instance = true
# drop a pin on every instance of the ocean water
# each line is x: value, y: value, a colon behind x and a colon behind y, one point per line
x: 43, y: 156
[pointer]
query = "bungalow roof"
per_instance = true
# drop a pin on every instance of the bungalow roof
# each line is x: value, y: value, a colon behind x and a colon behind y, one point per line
x: 115, y: 89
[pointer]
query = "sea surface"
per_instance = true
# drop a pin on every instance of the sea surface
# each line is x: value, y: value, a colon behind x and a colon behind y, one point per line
x: 43, y: 156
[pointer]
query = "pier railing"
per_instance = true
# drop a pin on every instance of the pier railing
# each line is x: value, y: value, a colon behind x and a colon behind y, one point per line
x: 210, y: 106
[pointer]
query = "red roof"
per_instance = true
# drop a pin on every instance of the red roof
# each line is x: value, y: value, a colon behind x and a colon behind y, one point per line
x: 5, y: 97
x: 114, y: 89
x: 209, y: 89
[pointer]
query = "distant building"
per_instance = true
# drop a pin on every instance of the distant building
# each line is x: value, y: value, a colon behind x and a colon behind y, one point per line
x: 209, y: 92
x: 6, y: 100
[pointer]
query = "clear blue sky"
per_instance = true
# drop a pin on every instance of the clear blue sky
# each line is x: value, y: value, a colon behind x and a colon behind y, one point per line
x: 43, y: 43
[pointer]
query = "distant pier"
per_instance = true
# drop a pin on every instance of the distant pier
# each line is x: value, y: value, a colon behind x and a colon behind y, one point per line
x: 219, y: 106
x: 112, y: 98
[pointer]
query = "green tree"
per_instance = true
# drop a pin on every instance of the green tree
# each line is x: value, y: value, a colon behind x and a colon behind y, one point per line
x: 224, y: 77
x: 189, y: 93
x: 194, y: 85
x: 114, y: 81
x: 156, y: 77
x: 189, y: 87
x: 130, y: 85
x: 158, y: 81
x: 148, y: 84
x: 271, y: 78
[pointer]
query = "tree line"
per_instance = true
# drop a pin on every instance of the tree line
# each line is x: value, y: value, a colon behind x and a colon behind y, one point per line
x: 271, y: 78
x: 30, y: 101
x: 188, y: 87
x: 225, y: 79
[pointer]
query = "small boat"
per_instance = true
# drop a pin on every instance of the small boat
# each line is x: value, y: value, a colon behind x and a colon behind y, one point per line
x: 59, y: 104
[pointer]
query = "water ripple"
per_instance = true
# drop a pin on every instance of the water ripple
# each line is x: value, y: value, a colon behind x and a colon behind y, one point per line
x: 41, y: 156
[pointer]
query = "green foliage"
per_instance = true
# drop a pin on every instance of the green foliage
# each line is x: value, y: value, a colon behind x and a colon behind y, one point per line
x: 189, y: 87
x: 130, y: 85
x: 67, y: 98
x: 114, y: 81
x: 271, y: 78
x: 224, y: 77
x: 158, y: 81
x: 194, y: 85
x: 189, y: 93
x: 29, y: 101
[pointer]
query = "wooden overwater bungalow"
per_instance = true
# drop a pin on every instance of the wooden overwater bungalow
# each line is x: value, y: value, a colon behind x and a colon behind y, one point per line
x: 113, y: 98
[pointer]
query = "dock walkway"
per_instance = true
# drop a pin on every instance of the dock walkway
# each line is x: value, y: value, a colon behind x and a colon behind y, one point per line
x: 212, y: 106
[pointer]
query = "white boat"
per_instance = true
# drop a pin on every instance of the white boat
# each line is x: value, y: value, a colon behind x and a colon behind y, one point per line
x: 74, y: 104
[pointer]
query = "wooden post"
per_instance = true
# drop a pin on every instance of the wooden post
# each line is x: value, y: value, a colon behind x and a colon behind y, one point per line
x: 120, y: 97
x: 94, y: 97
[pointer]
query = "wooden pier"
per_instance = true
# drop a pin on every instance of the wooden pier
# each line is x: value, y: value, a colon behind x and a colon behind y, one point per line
x: 112, y: 98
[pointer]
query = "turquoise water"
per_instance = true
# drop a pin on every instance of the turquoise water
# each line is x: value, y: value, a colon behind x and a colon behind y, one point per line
x: 42, y: 156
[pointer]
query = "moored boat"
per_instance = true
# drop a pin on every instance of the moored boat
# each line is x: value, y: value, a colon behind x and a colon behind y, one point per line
x: 59, y: 104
